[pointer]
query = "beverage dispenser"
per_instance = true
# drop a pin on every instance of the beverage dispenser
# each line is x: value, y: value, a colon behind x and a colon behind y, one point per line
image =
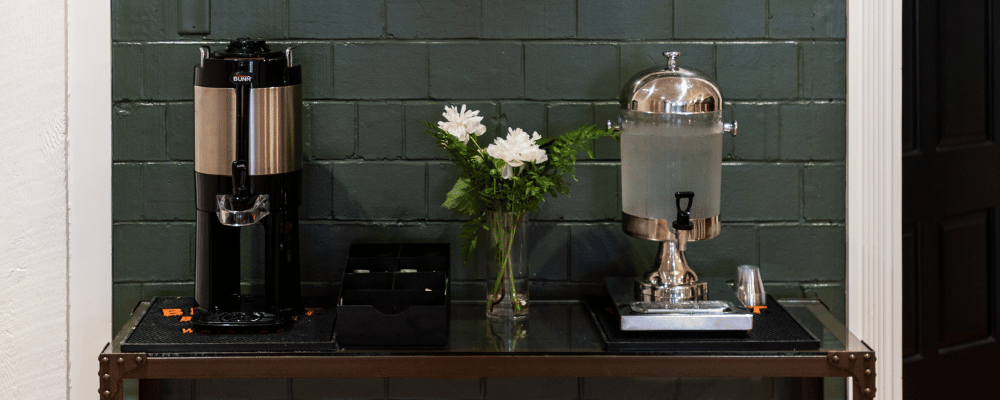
x: 671, y: 152
x: 248, y: 173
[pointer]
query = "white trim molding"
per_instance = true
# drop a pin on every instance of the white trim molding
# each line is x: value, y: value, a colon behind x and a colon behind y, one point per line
x: 88, y: 186
x: 874, y: 184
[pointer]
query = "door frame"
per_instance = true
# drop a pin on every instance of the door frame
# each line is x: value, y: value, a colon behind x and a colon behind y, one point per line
x: 873, y: 198
x: 874, y: 184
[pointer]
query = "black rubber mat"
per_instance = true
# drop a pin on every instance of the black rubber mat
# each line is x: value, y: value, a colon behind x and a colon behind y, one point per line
x: 773, y: 329
x: 165, y: 330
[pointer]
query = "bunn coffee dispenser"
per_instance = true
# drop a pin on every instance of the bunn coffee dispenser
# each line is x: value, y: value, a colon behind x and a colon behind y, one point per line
x: 671, y: 142
x: 248, y: 173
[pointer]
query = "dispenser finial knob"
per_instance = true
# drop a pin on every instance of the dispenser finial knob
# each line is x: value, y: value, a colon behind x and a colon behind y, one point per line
x: 671, y: 59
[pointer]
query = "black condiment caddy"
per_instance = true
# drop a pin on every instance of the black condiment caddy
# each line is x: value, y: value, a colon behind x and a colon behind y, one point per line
x: 395, y: 294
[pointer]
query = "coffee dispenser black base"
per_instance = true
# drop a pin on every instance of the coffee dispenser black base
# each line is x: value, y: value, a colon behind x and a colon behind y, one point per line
x: 249, y: 318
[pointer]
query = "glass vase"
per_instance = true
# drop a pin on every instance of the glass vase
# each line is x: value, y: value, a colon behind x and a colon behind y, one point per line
x: 506, y: 265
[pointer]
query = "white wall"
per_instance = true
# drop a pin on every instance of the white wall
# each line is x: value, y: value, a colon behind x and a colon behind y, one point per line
x: 33, y: 234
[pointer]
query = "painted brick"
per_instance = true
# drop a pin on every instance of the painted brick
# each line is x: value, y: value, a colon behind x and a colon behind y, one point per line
x: 593, y: 197
x: 636, y: 388
x: 824, y: 66
x: 420, y: 145
x: 719, y: 19
x: 823, y: 192
x: 435, y: 388
x: 168, y: 191
x: 564, y: 117
x: 435, y: 19
x: 338, y: 388
x: 759, y: 135
x: 380, y: 130
x: 176, y: 389
x: 814, y: 131
x: 607, y: 149
x: 532, y: 388
x: 530, y: 116
x: 316, y: 60
x: 781, y: 290
x: 601, y: 250
x: 548, y: 251
x: 760, y: 192
x: 258, y: 388
x: 153, y: 252
x: 139, y: 132
x: 378, y: 191
x: 338, y: 19
x: 624, y: 19
x: 180, y: 131
x: 636, y: 57
x: 725, y: 389
x: 322, y: 252
x: 126, y: 182
x: 803, y: 253
x: 168, y: 71
x: 380, y: 71
x: 317, y: 191
x: 529, y: 19
x: 137, y: 20
x: 718, y: 258
x: 126, y: 71
x: 832, y: 294
x: 124, y: 297
x: 332, y: 130
x: 249, y: 18
x: 570, y: 71
x: 167, y: 289
x: 492, y: 70
x: 807, y: 19
x: 751, y: 71
x: 441, y: 177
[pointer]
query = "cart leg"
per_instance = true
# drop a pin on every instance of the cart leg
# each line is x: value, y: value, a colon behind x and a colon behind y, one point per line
x: 149, y: 389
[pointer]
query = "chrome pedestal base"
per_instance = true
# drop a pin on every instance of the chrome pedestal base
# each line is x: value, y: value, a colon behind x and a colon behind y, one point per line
x: 724, y: 312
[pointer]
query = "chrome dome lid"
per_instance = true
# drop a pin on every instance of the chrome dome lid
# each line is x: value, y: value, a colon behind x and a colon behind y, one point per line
x: 671, y: 90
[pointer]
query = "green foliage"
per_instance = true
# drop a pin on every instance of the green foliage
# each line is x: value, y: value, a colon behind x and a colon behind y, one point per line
x: 481, y: 188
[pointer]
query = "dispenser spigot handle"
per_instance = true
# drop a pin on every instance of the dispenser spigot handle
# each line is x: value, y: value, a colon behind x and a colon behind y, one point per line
x: 240, y: 177
x: 683, y: 222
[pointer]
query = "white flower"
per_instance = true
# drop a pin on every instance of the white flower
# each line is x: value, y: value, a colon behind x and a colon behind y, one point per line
x: 517, y: 149
x: 461, y: 123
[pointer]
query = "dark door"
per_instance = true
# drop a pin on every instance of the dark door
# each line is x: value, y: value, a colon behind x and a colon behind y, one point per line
x: 951, y: 194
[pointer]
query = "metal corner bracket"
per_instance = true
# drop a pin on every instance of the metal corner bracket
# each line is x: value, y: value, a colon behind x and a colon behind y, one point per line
x: 858, y: 364
x: 115, y: 367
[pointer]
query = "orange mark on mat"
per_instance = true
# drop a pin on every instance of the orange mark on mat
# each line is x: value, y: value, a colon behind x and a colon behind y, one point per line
x: 756, y: 309
x: 187, y: 330
x: 186, y: 318
x: 192, y: 310
x: 172, y: 312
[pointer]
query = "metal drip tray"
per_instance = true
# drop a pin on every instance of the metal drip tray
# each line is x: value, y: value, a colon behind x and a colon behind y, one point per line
x: 684, y: 307
x: 720, y: 312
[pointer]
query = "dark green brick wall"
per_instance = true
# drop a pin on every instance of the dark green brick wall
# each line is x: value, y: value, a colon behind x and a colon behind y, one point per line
x: 372, y: 68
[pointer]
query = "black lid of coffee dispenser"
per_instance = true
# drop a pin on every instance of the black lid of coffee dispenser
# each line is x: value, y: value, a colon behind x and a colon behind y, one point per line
x: 246, y: 62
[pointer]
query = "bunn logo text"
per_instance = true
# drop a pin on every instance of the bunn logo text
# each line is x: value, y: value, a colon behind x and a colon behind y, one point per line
x: 241, y: 78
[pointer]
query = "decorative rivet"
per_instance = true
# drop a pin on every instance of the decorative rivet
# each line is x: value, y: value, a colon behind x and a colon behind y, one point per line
x: 138, y: 359
x: 852, y: 357
x: 106, y: 377
x: 107, y: 393
x: 104, y: 360
x: 836, y: 358
x: 868, y: 390
x: 868, y: 357
x: 121, y: 360
x: 868, y: 372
